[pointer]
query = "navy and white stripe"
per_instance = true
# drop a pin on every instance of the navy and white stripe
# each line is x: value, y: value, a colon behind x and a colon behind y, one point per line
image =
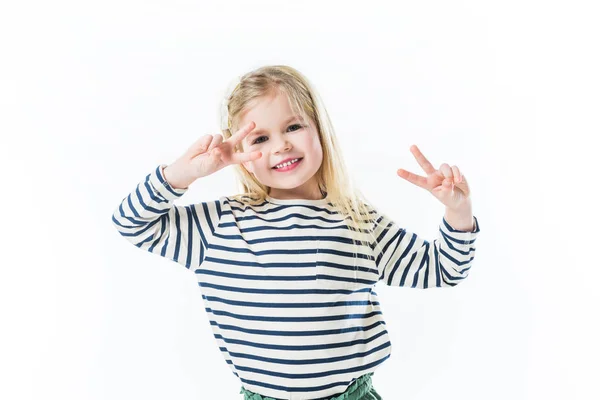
x: 405, y: 259
x: 292, y: 307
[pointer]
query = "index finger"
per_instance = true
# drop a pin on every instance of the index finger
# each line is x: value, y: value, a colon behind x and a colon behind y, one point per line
x: 423, y: 162
x: 241, y: 133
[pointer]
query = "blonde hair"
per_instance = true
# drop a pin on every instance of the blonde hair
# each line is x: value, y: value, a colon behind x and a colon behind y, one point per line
x: 304, y: 101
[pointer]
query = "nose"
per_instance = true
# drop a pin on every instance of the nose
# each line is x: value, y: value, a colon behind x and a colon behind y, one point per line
x: 282, y: 145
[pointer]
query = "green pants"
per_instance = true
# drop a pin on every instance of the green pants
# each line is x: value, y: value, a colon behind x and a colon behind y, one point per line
x: 361, y: 389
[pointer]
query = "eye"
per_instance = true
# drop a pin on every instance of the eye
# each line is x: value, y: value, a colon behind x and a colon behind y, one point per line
x: 298, y: 126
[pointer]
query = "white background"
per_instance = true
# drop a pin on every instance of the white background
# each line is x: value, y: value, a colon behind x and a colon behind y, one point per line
x: 94, y: 95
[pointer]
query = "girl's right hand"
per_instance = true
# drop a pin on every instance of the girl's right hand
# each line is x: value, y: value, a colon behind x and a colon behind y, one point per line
x: 207, y: 156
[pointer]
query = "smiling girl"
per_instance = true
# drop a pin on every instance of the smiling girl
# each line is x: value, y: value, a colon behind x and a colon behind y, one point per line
x: 287, y: 268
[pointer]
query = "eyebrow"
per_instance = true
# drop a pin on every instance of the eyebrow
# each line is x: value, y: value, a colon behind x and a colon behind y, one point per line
x: 260, y: 131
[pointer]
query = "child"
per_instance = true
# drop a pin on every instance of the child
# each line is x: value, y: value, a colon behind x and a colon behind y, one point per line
x: 287, y: 268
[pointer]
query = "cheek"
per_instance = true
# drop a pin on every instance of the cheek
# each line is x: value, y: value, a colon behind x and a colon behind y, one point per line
x: 261, y: 165
x: 313, y: 139
x: 316, y: 146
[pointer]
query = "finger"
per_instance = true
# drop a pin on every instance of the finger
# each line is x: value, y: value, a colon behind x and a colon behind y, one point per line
x: 423, y: 162
x: 446, y: 171
x: 241, y: 133
x: 413, y: 178
x: 239, y: 158
x: 217, y: 140
x: 456, y: 173
x: 200, y: 146
x: 459, y: 179
x: 463, y: 183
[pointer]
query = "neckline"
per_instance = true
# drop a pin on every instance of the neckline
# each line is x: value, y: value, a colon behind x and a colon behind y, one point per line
x: 297, y: 201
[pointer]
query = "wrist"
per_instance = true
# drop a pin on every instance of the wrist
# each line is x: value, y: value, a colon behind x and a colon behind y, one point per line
x: 460, y: 219
x: 167, y: 173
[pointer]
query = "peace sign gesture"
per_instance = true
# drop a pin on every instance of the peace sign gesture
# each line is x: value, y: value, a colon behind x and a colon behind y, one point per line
x: 447, y: 184
x: 208, y: 155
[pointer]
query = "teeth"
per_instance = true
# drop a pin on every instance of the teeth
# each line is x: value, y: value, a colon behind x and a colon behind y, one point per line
x: 287, y: 163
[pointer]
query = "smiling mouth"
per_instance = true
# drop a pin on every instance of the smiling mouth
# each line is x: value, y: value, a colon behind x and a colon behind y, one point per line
x: 287, y: 166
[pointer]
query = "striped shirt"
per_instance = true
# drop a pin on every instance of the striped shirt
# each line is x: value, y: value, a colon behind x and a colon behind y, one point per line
x: 291, y: 301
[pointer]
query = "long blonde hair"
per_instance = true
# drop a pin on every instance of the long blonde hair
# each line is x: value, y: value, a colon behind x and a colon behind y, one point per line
x: 304, y: 100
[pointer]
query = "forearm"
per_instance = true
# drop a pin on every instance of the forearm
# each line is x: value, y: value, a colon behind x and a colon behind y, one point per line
x: 461, y: 219
x: 140, y: 211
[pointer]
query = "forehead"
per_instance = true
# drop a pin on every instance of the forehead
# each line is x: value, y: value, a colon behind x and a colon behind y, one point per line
x: 266, y: 109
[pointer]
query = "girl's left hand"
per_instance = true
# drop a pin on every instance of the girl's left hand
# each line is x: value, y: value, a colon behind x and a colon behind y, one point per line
x: 447, y: 184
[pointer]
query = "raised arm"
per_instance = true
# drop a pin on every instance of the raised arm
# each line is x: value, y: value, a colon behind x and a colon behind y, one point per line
x: 148, y: 219
x: 405, y: 259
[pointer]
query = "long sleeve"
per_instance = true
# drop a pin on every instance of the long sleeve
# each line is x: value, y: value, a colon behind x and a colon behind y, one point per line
x: 148, y: 219
x: 405, y: 259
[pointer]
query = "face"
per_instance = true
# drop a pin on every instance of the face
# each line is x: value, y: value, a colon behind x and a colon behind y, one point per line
x: 280, y: 135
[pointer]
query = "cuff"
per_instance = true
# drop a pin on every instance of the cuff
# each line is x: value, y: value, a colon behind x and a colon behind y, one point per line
x: 160, y: 184
x: 460, y: 236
